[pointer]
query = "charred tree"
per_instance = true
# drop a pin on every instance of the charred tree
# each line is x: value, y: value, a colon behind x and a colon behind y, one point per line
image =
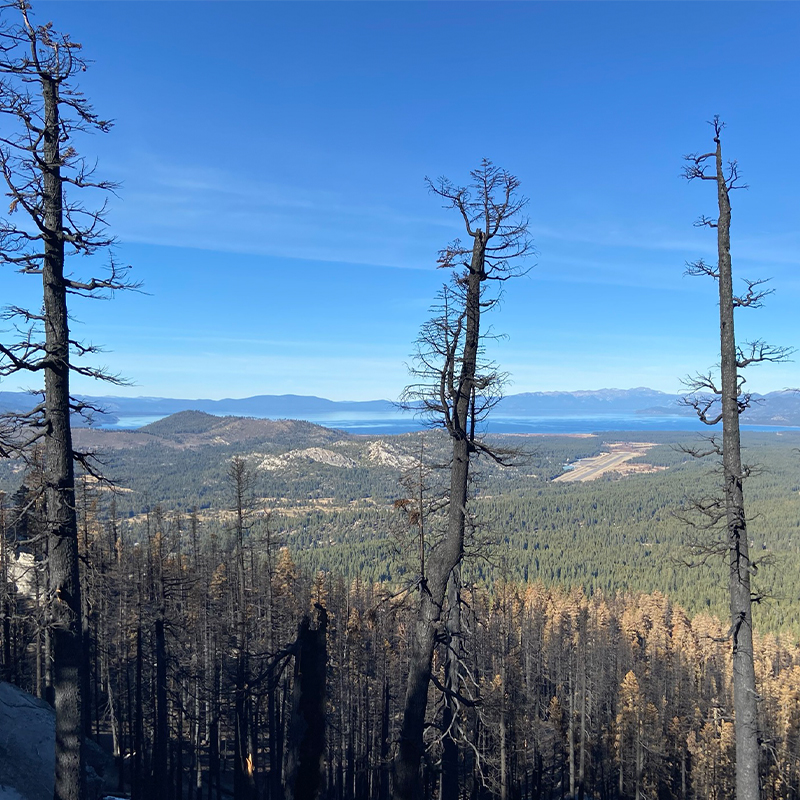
x: 306, y: 745
x: 44, y: 112
x: 457, y: 387
x: 452, y: 635
x: 241, y: 482
x: 721, y: 399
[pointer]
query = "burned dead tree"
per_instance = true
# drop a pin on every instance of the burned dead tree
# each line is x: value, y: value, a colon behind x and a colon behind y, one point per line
x: 306, y: 735
x: 455, y: 387
x: 44, y: 176
x: 721, y: 398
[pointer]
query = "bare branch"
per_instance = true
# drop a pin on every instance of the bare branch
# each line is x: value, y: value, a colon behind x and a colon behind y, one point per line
x: 759, y: 352
x: 699, y: 267
x: 753, y: 297
x: 705, y: 222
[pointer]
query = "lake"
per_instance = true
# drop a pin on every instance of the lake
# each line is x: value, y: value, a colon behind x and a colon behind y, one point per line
x: 399, y: 422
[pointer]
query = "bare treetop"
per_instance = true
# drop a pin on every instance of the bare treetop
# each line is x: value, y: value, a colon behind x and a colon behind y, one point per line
x: 456, y: 384
x: 492, y: 211
x: 36, y: 60
x: 698, y: 164
x: 57, y: 208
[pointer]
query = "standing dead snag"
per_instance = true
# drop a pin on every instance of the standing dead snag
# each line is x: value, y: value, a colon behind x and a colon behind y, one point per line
x: 306, y: 735
x: 44, y: 175
x: 241, y: 483
x: 723, y: 401
x: 457, y: 387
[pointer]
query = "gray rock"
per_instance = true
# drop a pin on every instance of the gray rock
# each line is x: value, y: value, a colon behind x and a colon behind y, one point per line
x: 27, y: 749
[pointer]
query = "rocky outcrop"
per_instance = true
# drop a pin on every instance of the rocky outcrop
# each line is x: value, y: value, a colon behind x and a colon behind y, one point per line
x: 382, y: 453
x: 319, y: 454
x: 27, y: 750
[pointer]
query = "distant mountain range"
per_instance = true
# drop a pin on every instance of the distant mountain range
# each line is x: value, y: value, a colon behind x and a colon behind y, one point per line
x: 775, y: 408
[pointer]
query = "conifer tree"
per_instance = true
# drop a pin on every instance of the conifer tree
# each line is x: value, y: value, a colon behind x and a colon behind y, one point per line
x: 723, y: 399
x: 457, y: 387
x: 45, y: 176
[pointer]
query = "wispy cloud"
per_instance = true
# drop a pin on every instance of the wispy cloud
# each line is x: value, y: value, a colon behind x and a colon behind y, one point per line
x: 633, y: 236
x: 206, y: 208
x: 778, y: 249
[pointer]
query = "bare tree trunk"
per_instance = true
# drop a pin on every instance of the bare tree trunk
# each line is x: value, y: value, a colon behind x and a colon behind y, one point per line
x: 504, y: 743
x: 179, y: 753
x: 68, y: 656
x: 161, y: 745
x: 37, y: 161
x: 744, y: 678
x: 137, y: 782
x: 734, y: 400
x: 307, y: 726
x: 639, y: 763
x: 449, y: 351
x: 582, y: 751
x: 440, y: 564
x: 445, y: 558
x: 243, y: 768
x: 83, y: 557
x: 272, y: 730
x: 383, y: 793
x: 571, y: 728
x: 450, y: 787
x: 197, y: 734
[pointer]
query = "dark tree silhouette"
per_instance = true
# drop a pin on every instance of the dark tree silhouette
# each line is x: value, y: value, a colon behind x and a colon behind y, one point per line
x: 722, y: 400
x: 43, y: 112
x: 241, y: 483
x: 457, y: 387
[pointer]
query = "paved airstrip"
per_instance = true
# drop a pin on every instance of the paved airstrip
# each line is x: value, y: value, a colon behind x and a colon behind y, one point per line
x: 587, y: 469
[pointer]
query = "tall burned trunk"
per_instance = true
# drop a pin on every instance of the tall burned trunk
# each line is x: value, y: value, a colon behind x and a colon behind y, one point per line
x: 450, y: 784
x: 68, y: 656
x: 275, y: 752
x: 160, y: 782
x: 744, y: 679
x: 244, y: 786
x: 37, y: 160
x: 448, y: 553
x: 458, y: 387
x: 306, y: 745
x: 137, y: 777
x: 733, y: 401
x: 383, y: 791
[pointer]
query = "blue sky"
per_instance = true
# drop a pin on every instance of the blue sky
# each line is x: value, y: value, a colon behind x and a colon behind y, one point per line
x: 272, y: 159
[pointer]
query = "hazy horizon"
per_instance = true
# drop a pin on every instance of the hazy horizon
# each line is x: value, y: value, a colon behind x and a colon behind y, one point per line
x: 113, y: 394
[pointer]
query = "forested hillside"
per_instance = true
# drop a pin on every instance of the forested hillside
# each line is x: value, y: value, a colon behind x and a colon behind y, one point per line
x: 329, y: 497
